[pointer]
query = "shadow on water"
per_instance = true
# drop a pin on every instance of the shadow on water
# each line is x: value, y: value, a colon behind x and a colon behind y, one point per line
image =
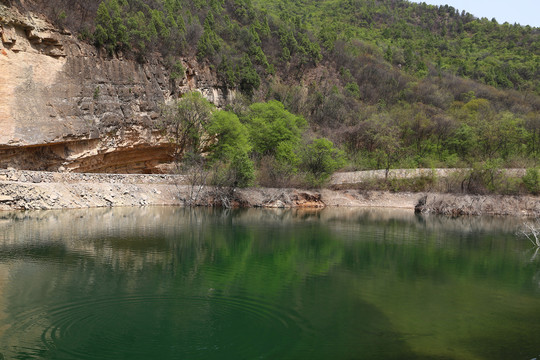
x: 289, y: 284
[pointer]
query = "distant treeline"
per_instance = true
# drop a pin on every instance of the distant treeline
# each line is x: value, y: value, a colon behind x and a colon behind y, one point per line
x: 393, y: 83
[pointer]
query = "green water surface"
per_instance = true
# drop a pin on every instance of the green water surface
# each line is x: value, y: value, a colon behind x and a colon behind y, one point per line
x: 173, y: 283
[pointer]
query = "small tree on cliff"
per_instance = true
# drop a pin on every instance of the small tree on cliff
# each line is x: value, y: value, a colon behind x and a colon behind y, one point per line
x: 186, y: 122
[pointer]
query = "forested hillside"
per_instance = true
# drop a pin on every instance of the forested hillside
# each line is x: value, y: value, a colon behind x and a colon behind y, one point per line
x: 392, y: 83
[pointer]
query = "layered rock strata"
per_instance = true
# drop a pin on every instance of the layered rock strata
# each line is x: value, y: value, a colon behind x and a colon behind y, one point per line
x: 64, y: 105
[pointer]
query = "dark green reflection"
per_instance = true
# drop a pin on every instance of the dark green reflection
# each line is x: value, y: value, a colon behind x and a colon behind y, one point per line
x: 172, y: 283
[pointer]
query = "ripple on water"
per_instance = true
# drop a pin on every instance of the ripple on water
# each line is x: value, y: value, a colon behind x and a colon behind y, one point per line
x: 142, y: 326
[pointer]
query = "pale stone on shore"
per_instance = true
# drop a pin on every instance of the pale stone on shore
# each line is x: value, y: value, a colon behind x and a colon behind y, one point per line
x: 74, y: 190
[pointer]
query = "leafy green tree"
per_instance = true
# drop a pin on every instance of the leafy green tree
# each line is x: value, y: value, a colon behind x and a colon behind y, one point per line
x: 231, y: 147
x: 226, y: 73
x: 320, y: 159
x: 248, y: 78
x: 531, y: 179
x: 140, y: 33
x: 327, y: 36
x: 464, y: 142
x: 270, y: 125
x: 231, y: 136
x: 110, y: 29
x: 186, y: 122
x: 210, y: 43
x: 383, y: 137
x: 103, y: 35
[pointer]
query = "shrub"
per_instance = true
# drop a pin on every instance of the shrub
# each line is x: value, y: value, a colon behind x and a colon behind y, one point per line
x: 242, y: 170
x: 531, y: 180
x: 319, y: 160
x: 273, y: 173
x: 231, y: 149
x: 270, y: 125
x: 178, y: 71
x: 236, y: 172
x: 186, y: 122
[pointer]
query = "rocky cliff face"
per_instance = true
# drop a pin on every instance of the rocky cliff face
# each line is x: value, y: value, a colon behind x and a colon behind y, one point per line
x: 65, y: 106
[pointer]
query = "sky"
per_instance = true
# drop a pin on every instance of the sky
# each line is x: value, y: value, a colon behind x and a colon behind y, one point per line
x: 524, y: 12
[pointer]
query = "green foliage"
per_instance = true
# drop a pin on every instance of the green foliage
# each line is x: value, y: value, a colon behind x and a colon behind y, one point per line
x: 485, y: 177
x: 62, y: 16
x: 531, y: 180
x: 320, y: 159
x: 269, y: 133
x: 286, y: 156
x: 270, y: 125
x: 243, y: 170
x: 210, y: 43
x: 231, y: 136
x: 178, y: 71
x: 412, y: 84
x: 140, y: 32
x: 227, y: 74
x: 186, y: 122
x: 417, y: 36
x: 248, y: 78
x: 353, y: 89
x: 230, y: 173
x: 228, y: 149
x: 110, y: 32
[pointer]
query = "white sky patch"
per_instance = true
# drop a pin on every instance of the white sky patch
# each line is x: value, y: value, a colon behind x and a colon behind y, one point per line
x: 524, y: 12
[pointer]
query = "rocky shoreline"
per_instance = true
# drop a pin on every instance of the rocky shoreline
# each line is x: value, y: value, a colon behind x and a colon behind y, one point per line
x: 35, y: 190
x: 465, y: 204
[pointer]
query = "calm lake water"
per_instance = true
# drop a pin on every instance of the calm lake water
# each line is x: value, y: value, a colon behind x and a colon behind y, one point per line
x: 173, y: 283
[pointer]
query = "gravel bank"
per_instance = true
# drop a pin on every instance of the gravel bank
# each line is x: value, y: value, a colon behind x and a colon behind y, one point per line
x: 26, y: 190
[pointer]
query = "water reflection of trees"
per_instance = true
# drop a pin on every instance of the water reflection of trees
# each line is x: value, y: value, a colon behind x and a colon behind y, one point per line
x: 154, y: 233
x: 390, y: 259
x: 291, y: 243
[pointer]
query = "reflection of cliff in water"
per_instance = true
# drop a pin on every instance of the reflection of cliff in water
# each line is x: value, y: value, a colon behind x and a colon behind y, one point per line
x: 185, y: 239
x: 132, y: 236
x: 43, y: 225
x: 383, y: 274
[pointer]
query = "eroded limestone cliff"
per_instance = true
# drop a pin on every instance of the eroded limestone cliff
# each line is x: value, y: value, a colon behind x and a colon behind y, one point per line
x: 66, y: 106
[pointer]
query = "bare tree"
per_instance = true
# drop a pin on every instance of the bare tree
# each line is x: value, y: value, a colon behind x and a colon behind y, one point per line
x: 197, y: 175
x: 531, y: 230
x: 185, y: 122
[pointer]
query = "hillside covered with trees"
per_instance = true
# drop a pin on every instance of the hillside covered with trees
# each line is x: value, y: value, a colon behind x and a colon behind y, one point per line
x: 389, y: 82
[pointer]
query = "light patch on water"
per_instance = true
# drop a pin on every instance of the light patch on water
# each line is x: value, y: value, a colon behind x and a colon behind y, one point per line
x: 4, y: 279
